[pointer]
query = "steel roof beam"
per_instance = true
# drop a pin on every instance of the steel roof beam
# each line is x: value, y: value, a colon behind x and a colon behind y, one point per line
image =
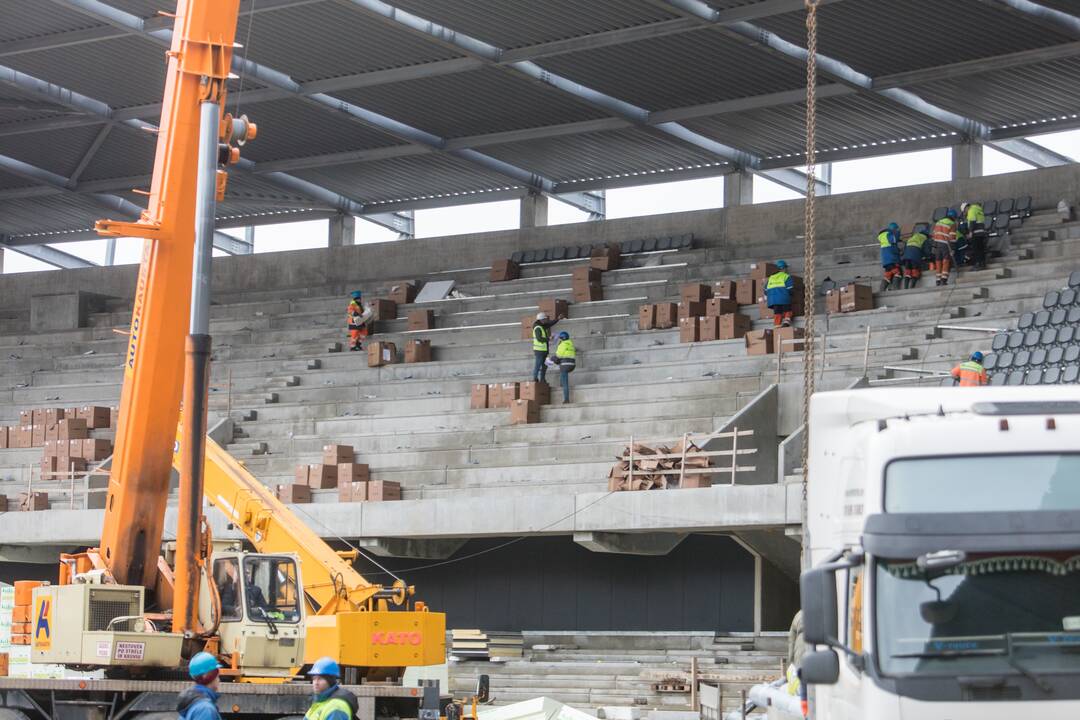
x: 1031, y: 153
x: 91, y: 151
x: 1042, y: 14
x: 49, y: 255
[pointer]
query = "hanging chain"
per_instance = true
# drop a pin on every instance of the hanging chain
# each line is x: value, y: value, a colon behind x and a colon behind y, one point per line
x: 809, y: 347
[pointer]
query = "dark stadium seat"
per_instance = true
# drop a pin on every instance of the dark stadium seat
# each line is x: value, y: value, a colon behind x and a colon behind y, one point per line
x: 1073, y: 317
x: 938, y: 214
x: 1070, y: 374
x: 663, y: 243
x: 649, y: 245
x: 999, y: 342
x: 990, y: 207
x: 1033, y: 377
x: 1074, y: 278
x: 1049, y: 336
x: 1067, y: 297
x: 1065, y: 334
x: 558, y: 253
x: 1038, y: 357
x: 1051, y: 376
x: 1072, y: 354
x: 990, y: 361
x: 1058, y: 316
x: 543, y: 255
x: 1016, y: 340
x: 1005, y: 361
x: 1026, y: 321
x: 998, y: 379
x: 1001, y: 222
x: 1050, y: 299
x: 1022, y: 206
x: 572, y: 252
x: 625, y: 245
x: 1054, y: 356
x: 1031, y: 338
x: 1042, y: 318
x: 516, y: 257
x: 1005, y: 207
x: 1021, y: 359
x: 528, y: 256
x: 1016, y: 377
x: 636, y: 245
x: 684, y: 241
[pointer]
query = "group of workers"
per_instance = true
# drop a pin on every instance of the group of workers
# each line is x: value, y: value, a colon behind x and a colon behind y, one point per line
x: 565, y: 353
x: 944, y: 247
x: 330, y: 700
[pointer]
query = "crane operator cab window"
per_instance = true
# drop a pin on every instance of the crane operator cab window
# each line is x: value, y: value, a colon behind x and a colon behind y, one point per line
x: 270, y: 589
x: 227, y: 579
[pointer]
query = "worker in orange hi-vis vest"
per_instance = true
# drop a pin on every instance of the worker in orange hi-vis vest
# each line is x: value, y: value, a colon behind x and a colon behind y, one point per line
x: 358, y: 318
x: 970, y: 373
x: 944, y: 237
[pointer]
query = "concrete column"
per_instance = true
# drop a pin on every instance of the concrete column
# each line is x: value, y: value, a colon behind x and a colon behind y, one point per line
x: 342, y: 230
x: 738, y: 189
x: 1, y: 261
x: 534, y: 211
x: 967, y: 161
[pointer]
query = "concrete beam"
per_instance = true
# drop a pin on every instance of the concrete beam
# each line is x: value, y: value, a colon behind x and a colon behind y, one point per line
x: 38, y: 554
x: 967, y: 161
x: 533, y: 211
x: 342, y: 230
x: 414, y: 548
x: 777, y: 547
x: 629, y: 543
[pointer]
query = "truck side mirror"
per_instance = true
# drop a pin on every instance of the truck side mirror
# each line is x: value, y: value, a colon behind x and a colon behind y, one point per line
x: 821, y: 667
x: 818, y: 589
x: 483, y: 689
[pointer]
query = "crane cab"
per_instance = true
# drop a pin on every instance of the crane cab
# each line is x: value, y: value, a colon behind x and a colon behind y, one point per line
x: 261, y: 601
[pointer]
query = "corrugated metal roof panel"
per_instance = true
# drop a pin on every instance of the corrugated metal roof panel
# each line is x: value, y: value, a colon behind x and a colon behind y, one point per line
x: 17, y: 106
x: 678, y: 70
x: 880, y: 38
x: 841, y: 121
x: 603, y: 155
x: 123, y: 154
x: 25, y: 19
x: 9, y: 182
x: 57, y: 151
x: 324, y: 40
x: 472, y: 103
x: 52, y: 213
x: 517, y: 23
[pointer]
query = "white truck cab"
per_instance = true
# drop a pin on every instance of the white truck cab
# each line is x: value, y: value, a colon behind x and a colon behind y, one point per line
x: 943, y: 528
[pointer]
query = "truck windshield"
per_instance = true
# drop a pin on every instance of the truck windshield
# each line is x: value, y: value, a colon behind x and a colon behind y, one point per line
x: 985, y: 483
x: 270, y: 589
x: 993, y: 614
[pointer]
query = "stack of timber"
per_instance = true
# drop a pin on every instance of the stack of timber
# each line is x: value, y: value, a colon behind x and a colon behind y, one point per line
x: 485, y: 645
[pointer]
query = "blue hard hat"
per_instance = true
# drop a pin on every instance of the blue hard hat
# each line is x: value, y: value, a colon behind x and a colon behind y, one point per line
x: 356, y: 294
x: 950, y: 213
x: 202, y: 663
x: 977, y: 356
x: 325, y: 666
x: 782, y: 264
x: 894, y: 227
x: 564, y: 335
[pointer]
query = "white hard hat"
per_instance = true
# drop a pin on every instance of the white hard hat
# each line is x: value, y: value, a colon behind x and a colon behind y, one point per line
x: 963, y: 206
x: 541, y: 316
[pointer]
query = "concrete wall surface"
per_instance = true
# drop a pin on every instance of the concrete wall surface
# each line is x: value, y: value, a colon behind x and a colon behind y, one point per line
x: 738, y: 232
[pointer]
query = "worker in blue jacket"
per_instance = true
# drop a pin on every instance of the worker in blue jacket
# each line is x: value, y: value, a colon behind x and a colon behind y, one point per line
x: 778, y: 291
x: 890, y: 257
x: 199, y: 702
x: 330, y: 701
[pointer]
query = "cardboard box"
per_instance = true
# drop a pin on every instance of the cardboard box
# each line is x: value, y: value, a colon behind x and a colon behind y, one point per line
x: 33, y: 501
x: 708, y: 328
x: 696, y: 480
x: 508, y: 393
x: 96, y: 416
x: 584, y: 275
x: 798, y: 308
x: 606, y: 258
x: 854, y: 298
x: 26, y: 417
x: 24, y: 437
x: 526, y: 326
x: 96, y: 449
x: 646, y: 317
x: 494, y: 395
x: 478, y: 398
x: 538, y: 392
x: 67, y: 466
x: 352, y: 491
x: 691, y: 309
x: 667, y: 315
x: 294, y: 494
x: 383, y: 490
x: 48, y: 467
x: 54, y: 415
x: 589, y: 293
x: 524, y: 412
x: 322, y: 476
x: 504, y: 270
x: 383, y: 310
x: 418, y: 351
x: 421, y: 319
x: 759, y: 342
x: 5, y: 432
x: 301, y: 475
x: 52, y: 432
x: 381, y: 353
x: 3, y: 503
x: 789, y: 333
x: 37, y: 435
x: 724, y: 290
x: 72, y: 429
x: 695, y: 292
x: 688, y: 329
x: 334, y: 454
x: 403, y: 293
x: 351, y: 472
x: 556, y: 309
x: 720, y: 306
x: 114, y: 417
x: 73, y: 448
x: 37, y: 416
x: 832, y: 300
x: 762, y: 270
x: 744, y: 291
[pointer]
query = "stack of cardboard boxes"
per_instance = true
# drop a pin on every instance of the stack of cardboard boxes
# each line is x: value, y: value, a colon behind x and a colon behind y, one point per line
x: 522, y: 398
x: 41, y: 424
x: 340, y: 470
x: 849, y: 298
x: 605, y: 258
x: 402, y: 293
x: 505, y: 270
x: 585, y: 283
x: 709, y: 313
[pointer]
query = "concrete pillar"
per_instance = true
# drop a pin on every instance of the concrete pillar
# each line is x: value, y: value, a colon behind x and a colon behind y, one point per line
x: 534, y: 211
x: 1, y: 261
x: 967, y: 161
x: 738, y: 188
x: 342, y: 230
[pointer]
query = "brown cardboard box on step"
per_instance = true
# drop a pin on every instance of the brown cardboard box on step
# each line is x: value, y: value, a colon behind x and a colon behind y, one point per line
x: 555, y: 308
x: 526, y: 326
x: 744, y: 291
x: 708, y: 328
x: 759, y: 342
x: 538, y: 392
x: 383, y: 309
x: 504, y: 270
x: 493, y: 395
x: 421, y: 319
x: 96, y: 449
x: 732, y: 325
x: 724, y: 290
x: 688, y: 329
x: 508, y: 393
x: 383, y: 490
x: 417, y: 351
x: 694, y: 309
x: 96, y: 416
x: 381, y: 353
x: 783, y: 334
x: 37, y: 435
x: 832, y: 300
x: 294, y: 494
x: 403, y: 293
x: 720, y: 306
x: 23, y: 437
x: 352, y: 491
x: 333, y: 454
x: 589, y: 293
x: 524, y: 412
x: 54, y: 415
x: 605, y: 258
x: 66, y: 466
x: 301, y: 475
x: 37, y: 416
x: 26, y: 417
x: 322, y: 476
x: 854, y: 298
x: 30, y: 502
x: 695, y: 292
x: 48, y: 467
x: 762, y: 270
x: 646, y: 317
x: 584, y: 275
x: 478, y: 398
x: 4, y: 434
x: 72, y: 429
x: 352, y: 473
x: 667, y: 315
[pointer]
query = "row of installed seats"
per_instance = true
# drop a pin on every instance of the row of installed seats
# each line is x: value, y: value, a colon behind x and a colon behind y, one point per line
x: 662, y: 243
x: 1002, y: 216
x: 1044, y: 349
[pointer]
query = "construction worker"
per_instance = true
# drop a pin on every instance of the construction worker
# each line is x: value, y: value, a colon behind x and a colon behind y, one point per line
x: 976, y: 222
x: 970, y: 373
x: 541, y: 339
x: 199, y: 702
x: 566, y: 359
x: 889, y: 239
x: 912, y: 259
x: 944, y: 236
x: 331, y: 701
x: 358, y: 318
x: 778, y: 294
